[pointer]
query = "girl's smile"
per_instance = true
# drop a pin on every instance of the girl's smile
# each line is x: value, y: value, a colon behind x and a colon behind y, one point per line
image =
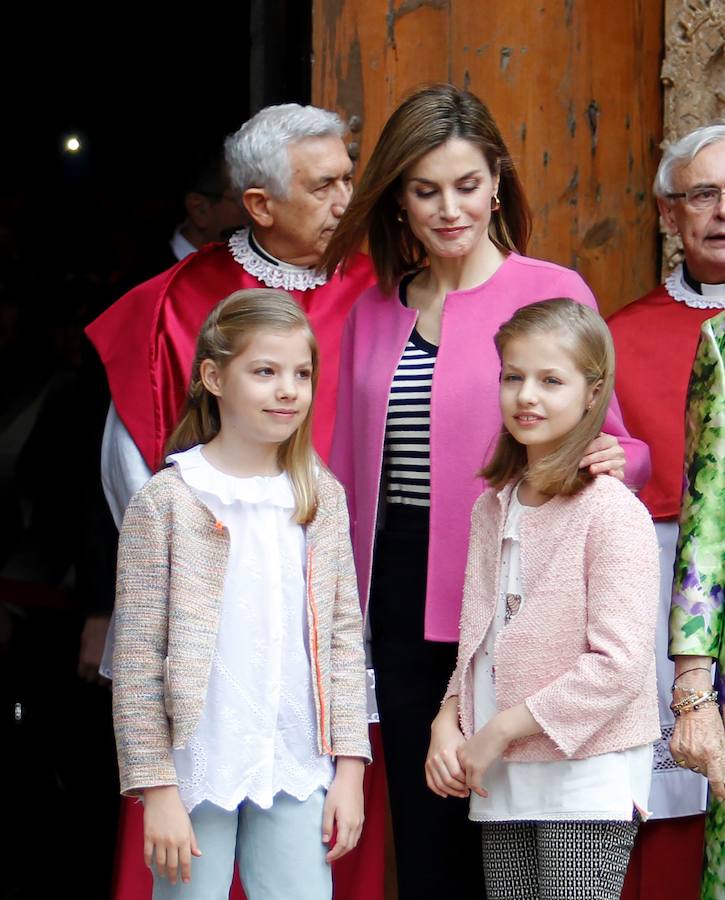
x: 525, y: 419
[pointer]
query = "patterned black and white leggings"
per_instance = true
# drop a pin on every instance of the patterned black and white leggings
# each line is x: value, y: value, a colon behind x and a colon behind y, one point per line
x: 556, y: 860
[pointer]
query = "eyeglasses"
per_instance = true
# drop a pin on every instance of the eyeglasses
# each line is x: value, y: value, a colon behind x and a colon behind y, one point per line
x: 700, y: 197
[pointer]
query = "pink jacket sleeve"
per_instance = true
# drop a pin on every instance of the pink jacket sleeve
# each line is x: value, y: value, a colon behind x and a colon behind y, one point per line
x: 622, y: 566
x: 473, y: 578
x: 342, y: 462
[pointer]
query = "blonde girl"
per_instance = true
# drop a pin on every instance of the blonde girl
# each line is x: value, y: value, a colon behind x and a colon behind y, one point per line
x: 550, y: 714
x: 239, y: 683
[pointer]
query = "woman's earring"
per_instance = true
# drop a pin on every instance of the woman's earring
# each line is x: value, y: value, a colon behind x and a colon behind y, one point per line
x: 495, y: 203
x: 400, y: 216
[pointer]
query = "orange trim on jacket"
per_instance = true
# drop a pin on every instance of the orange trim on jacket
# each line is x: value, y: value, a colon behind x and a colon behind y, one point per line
x: 315, y: 655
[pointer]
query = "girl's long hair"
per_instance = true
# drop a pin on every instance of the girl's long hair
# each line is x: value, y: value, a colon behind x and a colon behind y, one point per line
x: 592, y: 349
x: 225, y: 333
x: 429, y: 117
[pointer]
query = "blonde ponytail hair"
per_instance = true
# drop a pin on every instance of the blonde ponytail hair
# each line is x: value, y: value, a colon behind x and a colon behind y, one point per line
x: 225, y: 333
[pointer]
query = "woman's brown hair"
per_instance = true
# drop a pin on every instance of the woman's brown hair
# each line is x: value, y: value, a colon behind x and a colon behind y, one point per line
x: 225, y: 333
x: 592, y: 350
x: 426, y: 119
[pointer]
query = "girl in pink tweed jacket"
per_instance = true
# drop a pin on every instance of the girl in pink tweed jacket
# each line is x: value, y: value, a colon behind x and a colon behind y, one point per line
x: 549, y: 716
x: 239, y: 675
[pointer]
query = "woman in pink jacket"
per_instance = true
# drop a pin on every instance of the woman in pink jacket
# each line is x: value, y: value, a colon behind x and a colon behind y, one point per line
x: 447, y: 224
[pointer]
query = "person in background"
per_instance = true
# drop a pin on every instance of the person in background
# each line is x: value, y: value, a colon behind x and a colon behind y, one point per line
x: 290, y: 170
x: 213, y: 210
x: 696, y: 619
x: 655, y: 338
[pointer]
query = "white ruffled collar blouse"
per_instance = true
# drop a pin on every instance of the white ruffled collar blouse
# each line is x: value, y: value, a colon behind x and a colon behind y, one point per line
x: 257, y: 734
x: 711, y: 296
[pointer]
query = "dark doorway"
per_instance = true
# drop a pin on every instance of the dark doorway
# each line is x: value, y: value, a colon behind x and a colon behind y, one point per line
x: 79, y: 224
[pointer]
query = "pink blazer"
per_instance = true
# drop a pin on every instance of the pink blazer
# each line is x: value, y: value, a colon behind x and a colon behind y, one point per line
x: 465, y: 418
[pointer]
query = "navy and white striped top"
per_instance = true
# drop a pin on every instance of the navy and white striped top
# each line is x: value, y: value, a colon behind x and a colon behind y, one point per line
x: 406, y: 456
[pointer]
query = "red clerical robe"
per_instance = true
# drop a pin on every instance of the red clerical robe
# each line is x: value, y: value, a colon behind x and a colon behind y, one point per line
x: 655, y: 339
x: 146, y: 341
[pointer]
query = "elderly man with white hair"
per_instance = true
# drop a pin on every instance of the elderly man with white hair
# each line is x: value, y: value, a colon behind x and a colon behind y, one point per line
x: 656, y: 338
x: 289, y: 168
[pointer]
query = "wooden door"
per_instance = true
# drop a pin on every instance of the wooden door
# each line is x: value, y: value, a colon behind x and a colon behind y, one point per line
x: 574, y: 87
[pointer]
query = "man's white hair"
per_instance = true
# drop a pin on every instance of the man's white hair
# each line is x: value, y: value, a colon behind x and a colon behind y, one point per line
x: 257, y: 154
x: 682, y: 152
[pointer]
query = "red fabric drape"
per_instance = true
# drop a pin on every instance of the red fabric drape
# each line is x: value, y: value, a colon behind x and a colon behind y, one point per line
x: 655, y: 339
x: 666, y: 863
x: 146, y: 341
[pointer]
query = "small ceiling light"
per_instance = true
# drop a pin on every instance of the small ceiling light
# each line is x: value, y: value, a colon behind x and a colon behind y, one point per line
x: 72, y: 144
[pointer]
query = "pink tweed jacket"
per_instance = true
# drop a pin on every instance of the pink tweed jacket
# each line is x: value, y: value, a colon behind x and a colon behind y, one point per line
x: 580, y: 651
x: 172, y: 560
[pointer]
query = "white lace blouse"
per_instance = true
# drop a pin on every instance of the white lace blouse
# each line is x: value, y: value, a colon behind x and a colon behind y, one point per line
x: 257, y: 732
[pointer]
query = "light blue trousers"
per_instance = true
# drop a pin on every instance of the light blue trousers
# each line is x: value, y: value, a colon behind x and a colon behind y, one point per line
x: 279, y: 852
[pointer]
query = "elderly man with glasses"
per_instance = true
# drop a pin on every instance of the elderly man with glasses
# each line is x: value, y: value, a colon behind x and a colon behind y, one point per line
x: 656, y: 338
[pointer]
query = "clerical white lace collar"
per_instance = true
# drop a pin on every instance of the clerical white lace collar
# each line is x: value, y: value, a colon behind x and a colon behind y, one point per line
x: 270, y: 271
x: 711, y: 296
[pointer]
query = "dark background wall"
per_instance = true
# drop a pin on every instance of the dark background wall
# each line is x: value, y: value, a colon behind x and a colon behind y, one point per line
x: 147, y: 101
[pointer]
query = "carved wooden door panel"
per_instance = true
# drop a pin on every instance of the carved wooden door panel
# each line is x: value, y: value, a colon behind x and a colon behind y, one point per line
x: 574, y: 87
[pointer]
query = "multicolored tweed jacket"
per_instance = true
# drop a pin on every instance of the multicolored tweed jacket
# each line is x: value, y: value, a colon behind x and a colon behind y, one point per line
x: 172, y: 561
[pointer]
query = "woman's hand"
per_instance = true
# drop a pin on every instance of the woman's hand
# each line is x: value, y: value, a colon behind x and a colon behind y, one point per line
x: 698, y: 739
x: 343, y: 814
x: 443, y: 773
x: 168, y: 835
x: 604, y: 456
x: 479, y: 752
x: 698, y: 743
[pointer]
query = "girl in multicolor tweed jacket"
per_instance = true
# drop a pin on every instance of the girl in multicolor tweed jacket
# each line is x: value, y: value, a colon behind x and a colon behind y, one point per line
x: 239, y: 681
x: 551, y: 712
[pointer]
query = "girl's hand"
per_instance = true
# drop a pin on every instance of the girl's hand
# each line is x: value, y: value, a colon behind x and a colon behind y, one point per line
x: 604, y: 455
x: 443, y: 773
x: 168, y: 833
x: 490, y: 742
x: 479, y: 752
x: 343, y: 814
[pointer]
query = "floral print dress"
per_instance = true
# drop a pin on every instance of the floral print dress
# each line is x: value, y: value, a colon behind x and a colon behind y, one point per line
x: 697, y: 618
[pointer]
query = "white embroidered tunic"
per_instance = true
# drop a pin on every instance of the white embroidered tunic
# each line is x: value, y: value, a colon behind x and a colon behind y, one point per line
x: 604, y: 787
x: 257, y: 734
